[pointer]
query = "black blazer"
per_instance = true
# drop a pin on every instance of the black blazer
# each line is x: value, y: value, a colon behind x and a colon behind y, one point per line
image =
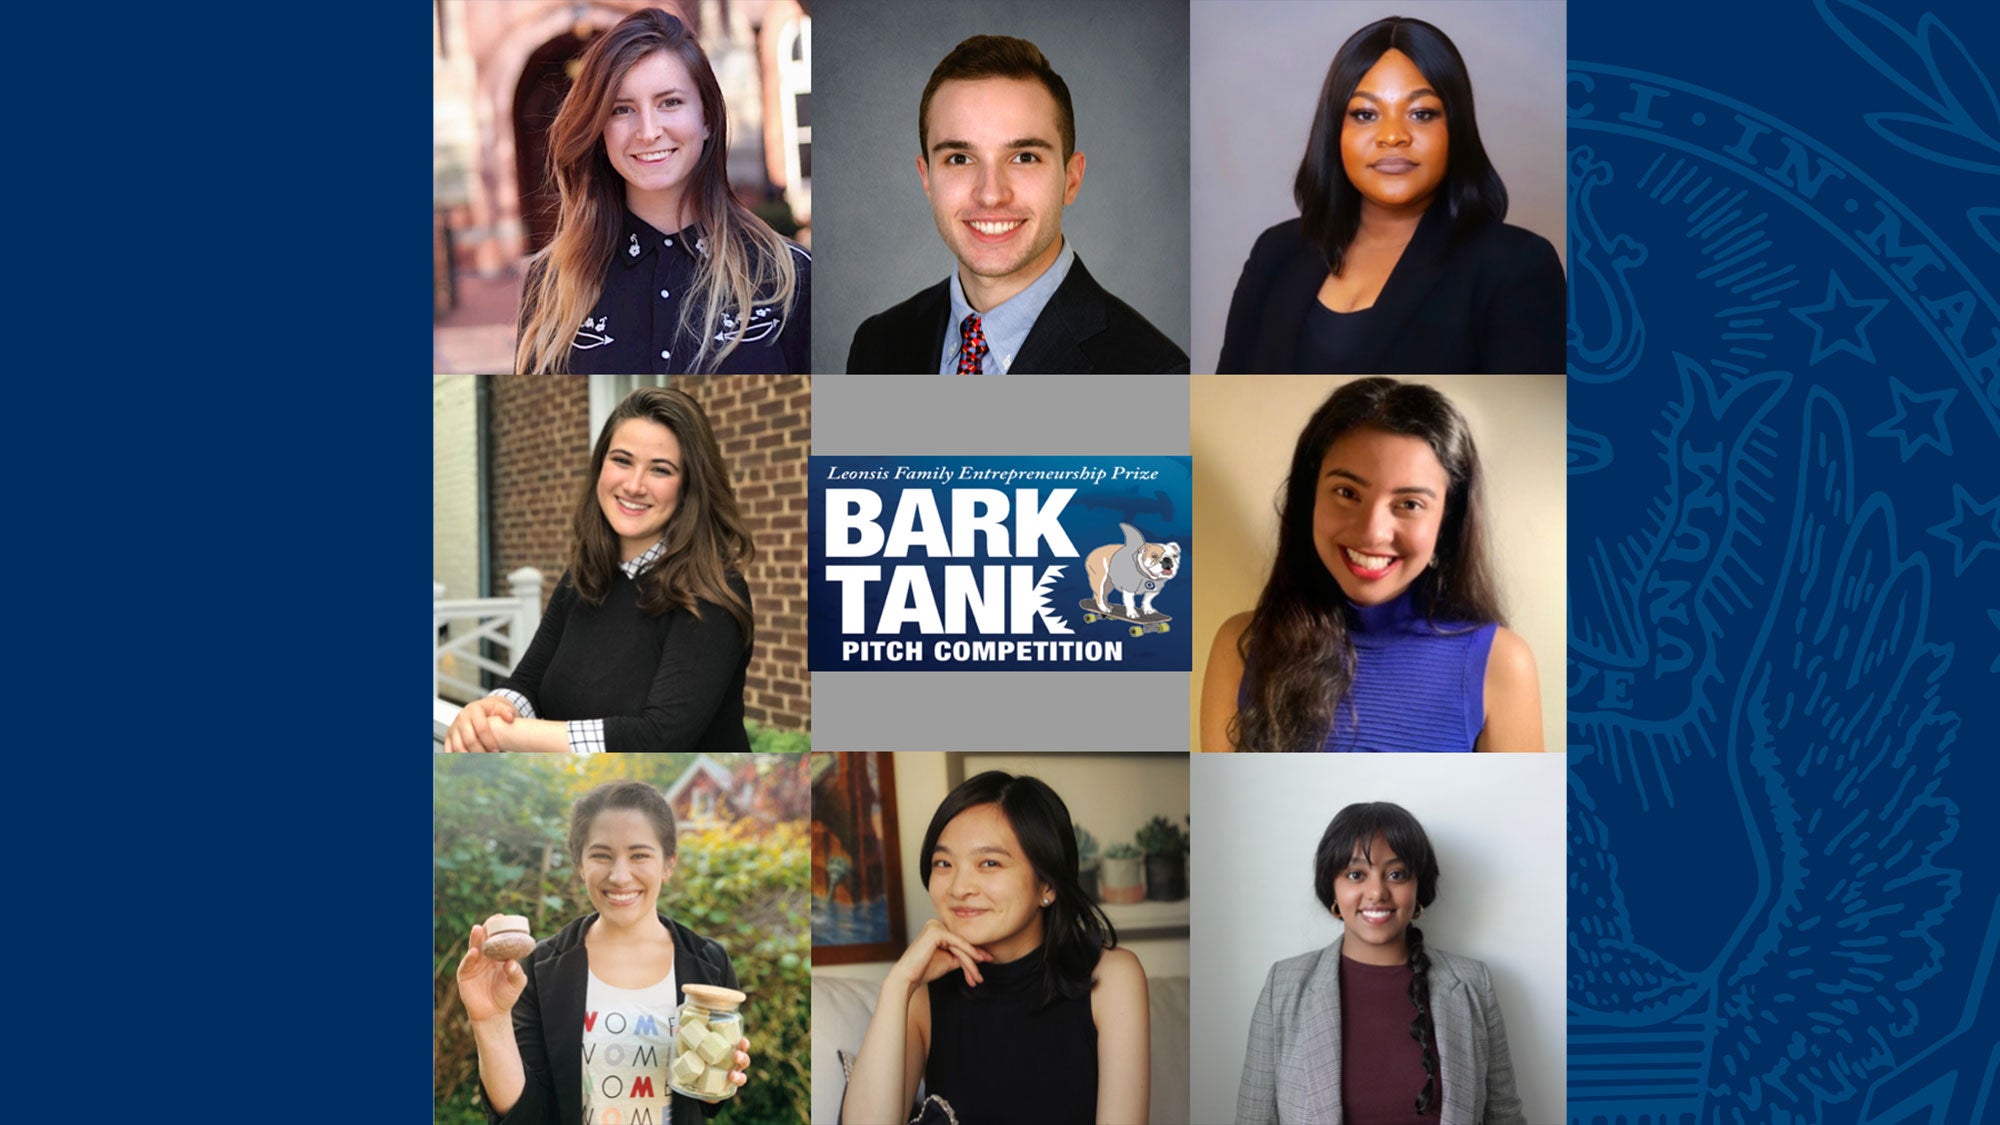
x: 548, y: 1023
x: 1493, y: 303
x: 1082, y: 331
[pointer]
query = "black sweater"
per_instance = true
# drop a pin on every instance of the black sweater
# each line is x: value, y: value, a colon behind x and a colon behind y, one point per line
x: 667, y: 683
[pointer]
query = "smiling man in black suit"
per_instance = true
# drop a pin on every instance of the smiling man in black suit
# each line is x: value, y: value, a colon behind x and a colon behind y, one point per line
x: 998, y: 162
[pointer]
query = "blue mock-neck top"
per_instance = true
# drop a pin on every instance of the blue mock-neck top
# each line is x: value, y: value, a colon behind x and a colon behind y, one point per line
x: 1419, y: 686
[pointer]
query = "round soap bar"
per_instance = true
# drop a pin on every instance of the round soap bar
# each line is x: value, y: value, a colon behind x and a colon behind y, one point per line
x: 507, y: 938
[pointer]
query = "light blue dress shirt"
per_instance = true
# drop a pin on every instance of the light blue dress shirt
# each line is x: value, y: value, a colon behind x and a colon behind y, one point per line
x: 1006, y: 324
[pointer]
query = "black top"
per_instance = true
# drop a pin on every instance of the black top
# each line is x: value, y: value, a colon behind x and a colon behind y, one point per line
x: 1083, y: 330
x: 672, y: 682
x: 635, y: 327
x: 548, y: 1023
x: 999, y: 1062
x: 1493, y: 300
x: 1331, y: 341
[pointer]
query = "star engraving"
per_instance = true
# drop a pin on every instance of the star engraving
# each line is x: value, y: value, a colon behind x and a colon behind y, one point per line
x: 1935, y: 435
x: 1962, y: 554
x: 1849, y: 331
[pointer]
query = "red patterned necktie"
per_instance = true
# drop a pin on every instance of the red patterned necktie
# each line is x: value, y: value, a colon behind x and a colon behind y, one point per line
x: 972, y: 345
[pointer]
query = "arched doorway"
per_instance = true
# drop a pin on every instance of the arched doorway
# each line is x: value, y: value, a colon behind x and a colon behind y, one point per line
x: 545, y: 79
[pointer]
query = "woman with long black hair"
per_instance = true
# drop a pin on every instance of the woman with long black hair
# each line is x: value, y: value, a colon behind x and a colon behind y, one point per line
x: 1379, y: 628
x: 1400, y: 261
x: 1377, y: 1028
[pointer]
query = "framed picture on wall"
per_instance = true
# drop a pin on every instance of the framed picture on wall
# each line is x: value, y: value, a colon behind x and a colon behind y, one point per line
x: 857, y: 877
x: 1131, y: 812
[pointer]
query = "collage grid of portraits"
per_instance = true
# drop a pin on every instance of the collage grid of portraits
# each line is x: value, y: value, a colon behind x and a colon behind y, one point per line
x: 850, y: 624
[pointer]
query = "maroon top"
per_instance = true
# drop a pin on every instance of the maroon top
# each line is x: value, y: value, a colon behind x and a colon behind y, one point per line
x: 1381, y: 1064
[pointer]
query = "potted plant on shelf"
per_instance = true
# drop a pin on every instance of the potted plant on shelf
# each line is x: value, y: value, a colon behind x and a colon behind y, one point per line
x: 1122, y: 879
x: 1166, y: 848
x: 1086, y: 860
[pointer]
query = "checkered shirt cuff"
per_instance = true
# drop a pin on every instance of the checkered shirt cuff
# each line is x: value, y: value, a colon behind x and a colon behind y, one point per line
x: 522, y: 708
x: 586, y: 736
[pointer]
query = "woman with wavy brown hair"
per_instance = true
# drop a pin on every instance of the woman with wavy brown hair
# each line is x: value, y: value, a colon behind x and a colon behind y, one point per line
x: 645, y: 641
x: 656, y: 267
x: 1379, y: 628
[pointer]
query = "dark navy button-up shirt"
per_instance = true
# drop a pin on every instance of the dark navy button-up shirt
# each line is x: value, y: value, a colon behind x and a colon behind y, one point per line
x: 636, y: 327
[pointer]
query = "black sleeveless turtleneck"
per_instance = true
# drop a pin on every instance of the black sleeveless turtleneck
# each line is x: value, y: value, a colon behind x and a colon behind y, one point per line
x: 998, y: 1061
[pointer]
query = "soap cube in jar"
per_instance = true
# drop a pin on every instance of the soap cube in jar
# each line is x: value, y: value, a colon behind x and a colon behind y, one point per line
x: 687, y: 1070
x: 713, y: 1049
x: 713, y: 1082
x: 691, y: 1033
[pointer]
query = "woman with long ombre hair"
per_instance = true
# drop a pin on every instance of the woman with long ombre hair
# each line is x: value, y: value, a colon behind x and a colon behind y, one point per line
x: 656, y: 267
x: 1379, y: 628
x: 646, y: 639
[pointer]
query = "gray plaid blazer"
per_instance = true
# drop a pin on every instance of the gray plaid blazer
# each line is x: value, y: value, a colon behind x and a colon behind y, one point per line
x: 1291, y: 1072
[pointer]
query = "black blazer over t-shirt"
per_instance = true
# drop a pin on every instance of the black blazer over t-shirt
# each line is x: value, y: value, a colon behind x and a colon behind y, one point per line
x: 1494, y: 301
x: 548, y: 1023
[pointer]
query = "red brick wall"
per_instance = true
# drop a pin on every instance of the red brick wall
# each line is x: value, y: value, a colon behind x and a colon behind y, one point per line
x: 764, y: 424
x: 541, y: 462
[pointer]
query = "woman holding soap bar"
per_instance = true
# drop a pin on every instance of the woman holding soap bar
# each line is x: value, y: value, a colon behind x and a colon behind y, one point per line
x: 1377, y: 1027
x: 587, y: 1021
x: 1014, y: 1004
x: 1379, y: 628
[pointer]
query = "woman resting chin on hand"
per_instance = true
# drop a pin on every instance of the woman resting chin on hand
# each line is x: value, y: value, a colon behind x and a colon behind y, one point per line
x: 1015, y: 1003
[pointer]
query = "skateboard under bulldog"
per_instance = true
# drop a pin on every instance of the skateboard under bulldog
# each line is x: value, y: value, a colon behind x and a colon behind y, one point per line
x: 1140, y: 626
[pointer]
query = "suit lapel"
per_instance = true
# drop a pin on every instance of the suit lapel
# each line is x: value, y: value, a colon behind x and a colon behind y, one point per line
x: 564, y: 981
x: 920, y: 351
x: 1290, y: 296
x: 1320, y: 1045
x: 1075, y: 313
x: 1416, y: 272
x: 1451, y: 1015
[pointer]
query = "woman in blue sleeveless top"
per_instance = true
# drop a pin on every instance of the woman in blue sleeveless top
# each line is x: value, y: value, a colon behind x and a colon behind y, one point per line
x: 1380, y: 627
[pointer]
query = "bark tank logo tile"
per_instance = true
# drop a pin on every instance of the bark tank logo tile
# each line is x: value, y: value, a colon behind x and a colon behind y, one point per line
x: 1000, y: 564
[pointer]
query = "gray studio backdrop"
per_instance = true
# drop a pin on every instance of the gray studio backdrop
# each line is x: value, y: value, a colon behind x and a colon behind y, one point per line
x: 886, y: 415
x: 1256, y: 79
x: 874, y: 244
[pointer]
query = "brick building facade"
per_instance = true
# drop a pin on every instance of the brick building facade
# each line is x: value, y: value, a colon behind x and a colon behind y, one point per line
x: 541, y: 439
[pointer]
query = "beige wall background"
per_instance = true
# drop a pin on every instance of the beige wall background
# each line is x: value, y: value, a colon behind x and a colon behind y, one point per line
x: 1242, y: 429
x: 921, y: 787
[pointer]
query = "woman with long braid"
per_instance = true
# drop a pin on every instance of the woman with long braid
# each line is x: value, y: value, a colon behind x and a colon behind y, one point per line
x: 1377, y: 1028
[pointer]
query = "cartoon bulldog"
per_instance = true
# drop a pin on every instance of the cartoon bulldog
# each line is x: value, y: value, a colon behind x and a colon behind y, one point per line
x: 1137, y: 569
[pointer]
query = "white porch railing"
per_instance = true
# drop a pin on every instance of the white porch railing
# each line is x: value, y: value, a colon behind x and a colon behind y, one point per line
x: 509, y: 622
